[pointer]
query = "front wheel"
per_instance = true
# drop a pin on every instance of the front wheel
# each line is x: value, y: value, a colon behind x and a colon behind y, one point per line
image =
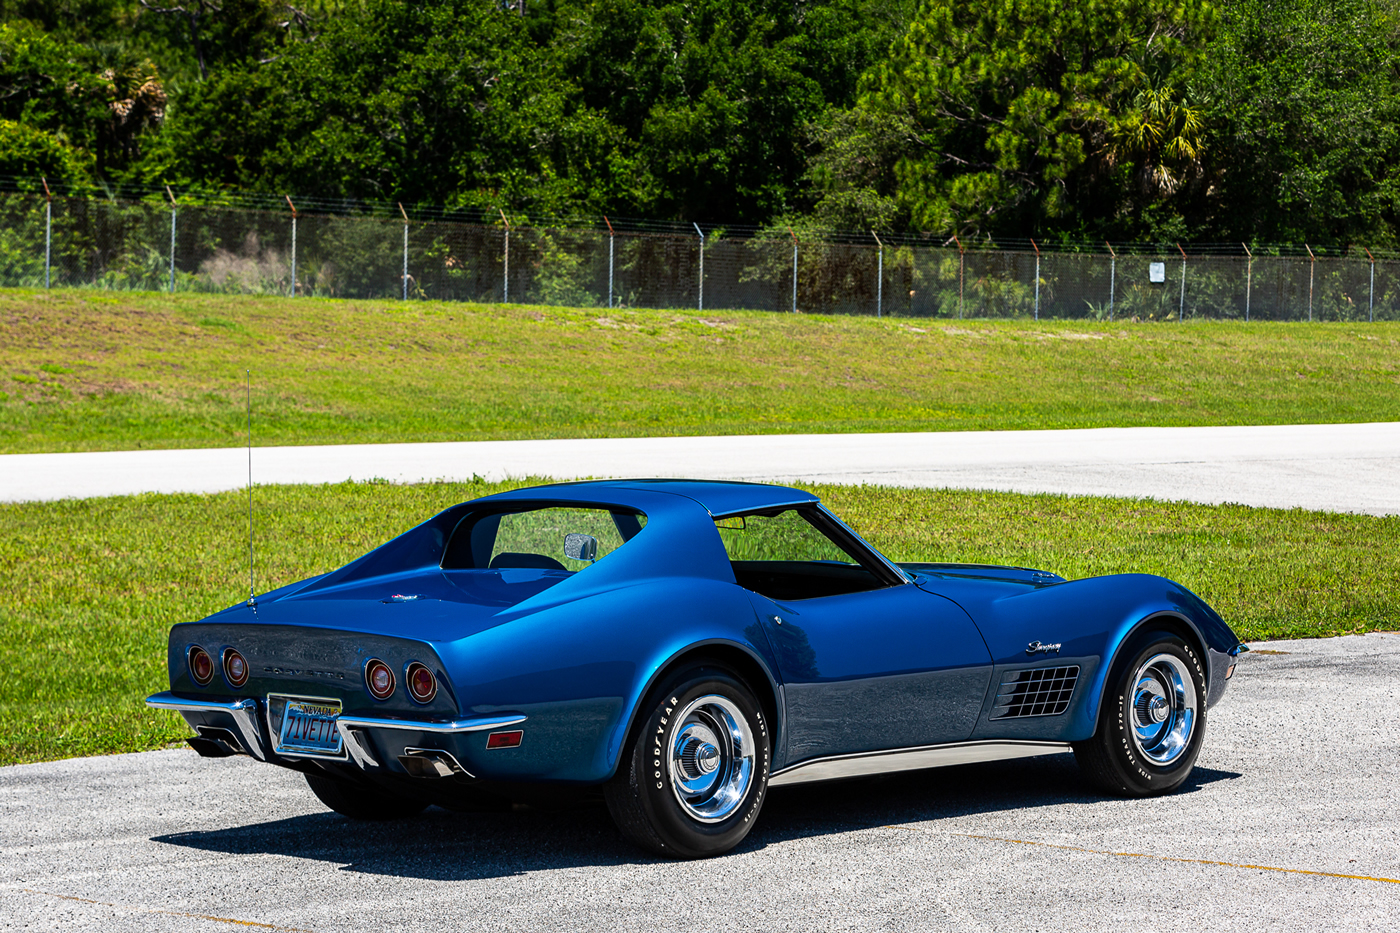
x: 696, y: 770
x: 1152, y: 719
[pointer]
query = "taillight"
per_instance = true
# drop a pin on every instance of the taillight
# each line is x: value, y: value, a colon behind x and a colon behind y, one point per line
x: 235, y: 668
x: 379, y: 679
x: 201, y: 665
x: 421, y: 682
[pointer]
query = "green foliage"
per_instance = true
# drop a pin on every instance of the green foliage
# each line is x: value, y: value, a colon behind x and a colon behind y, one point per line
x: 94, y: 584
x: 414, y: 102
x: 1147, y: 120
x: 1305, y: 101
x: 71, y: 108
x: 712, y: 96
x: 1036, y: 113
x: 28, y: 151
x: 851, y: 172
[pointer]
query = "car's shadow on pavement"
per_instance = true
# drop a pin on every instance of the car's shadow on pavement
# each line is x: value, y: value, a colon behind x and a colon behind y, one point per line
x: 445, y: 846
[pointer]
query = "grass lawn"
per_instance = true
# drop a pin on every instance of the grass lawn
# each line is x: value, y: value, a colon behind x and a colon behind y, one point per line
x: 94, y: 585
x: 88, y: 370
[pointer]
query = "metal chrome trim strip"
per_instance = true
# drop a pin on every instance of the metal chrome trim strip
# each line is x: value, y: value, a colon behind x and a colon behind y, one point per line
x: 910, y: 759
x: 898, y: 570
x: 437, y: 728
x: 810, y: 500
x: 243, y: 712
x: 351, y: 741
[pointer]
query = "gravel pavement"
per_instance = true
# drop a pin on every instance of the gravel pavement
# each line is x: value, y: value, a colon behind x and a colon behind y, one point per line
x: 1337, y: 467
x: 1290, y: 822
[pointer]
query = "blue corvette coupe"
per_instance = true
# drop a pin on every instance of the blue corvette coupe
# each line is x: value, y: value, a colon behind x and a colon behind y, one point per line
x: 679, y: 647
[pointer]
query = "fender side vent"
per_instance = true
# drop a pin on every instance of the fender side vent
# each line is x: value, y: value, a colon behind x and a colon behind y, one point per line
x: 1042, y: 691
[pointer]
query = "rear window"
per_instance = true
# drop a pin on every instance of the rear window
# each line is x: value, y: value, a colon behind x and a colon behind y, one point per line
x: 545, y: 538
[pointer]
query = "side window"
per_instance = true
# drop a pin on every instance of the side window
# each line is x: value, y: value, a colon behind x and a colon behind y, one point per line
x: 787, y: 555
x: 550, y: 538
x: 784, y: 536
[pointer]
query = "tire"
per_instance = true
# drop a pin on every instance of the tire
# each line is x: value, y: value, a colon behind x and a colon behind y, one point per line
x: 694, y: 775
x: 1152, y: 720
x: 361, y: 801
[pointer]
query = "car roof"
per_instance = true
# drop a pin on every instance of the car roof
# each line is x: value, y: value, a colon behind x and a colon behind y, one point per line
x: 719, y: 497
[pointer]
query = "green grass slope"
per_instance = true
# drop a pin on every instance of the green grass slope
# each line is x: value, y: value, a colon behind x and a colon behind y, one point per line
x: 85, y: 370
x: 94, y: 585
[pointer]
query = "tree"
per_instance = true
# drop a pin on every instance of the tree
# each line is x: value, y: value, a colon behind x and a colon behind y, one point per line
x: 713, y: 96
x: 98, y: 113
x: 449, y: 102
x: 1304, y: 100
x: 1038, y: 116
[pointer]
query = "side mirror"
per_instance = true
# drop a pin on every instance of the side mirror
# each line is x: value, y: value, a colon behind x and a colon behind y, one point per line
x: 581, y: 547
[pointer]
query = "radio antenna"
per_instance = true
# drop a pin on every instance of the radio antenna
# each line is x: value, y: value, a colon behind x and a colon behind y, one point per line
x: 248, y: 401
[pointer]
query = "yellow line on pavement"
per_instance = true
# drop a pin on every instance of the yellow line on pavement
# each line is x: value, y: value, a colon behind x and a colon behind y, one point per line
x: 1172, y: 858
x: 171, y: 913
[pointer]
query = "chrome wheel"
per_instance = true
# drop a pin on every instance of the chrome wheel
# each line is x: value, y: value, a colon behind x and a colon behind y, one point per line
x: 1164, y: 708
x: 711, y: 758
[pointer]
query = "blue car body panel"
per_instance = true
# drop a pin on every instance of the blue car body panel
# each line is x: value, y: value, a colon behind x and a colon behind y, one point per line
x: 574, y: 653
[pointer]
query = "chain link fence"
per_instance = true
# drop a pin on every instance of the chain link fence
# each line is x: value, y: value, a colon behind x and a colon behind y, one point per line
x: 105, y: 244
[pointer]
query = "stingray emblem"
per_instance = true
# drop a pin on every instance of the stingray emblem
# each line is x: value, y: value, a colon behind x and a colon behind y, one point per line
x: 1036, y: 647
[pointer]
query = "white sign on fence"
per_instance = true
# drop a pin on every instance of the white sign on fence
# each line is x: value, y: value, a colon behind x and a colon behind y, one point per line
x: 1156, y: 272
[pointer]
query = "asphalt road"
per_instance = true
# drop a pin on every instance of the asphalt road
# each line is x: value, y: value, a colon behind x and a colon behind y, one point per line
x: 1290, y: 822
x: 1337, y: 467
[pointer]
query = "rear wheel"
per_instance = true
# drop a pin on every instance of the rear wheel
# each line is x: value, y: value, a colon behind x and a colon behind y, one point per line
x: 695, y: 773
x: 361, y: 801
x: 1152, y: 720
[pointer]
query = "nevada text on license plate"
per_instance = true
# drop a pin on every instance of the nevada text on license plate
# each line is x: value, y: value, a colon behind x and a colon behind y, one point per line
x: 308, y: 725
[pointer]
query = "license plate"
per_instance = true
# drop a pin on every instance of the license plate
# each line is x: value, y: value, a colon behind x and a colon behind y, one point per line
x: 308, y: 726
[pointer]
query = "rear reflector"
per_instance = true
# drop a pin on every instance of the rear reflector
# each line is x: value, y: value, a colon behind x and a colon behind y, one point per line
x: 505, y: 739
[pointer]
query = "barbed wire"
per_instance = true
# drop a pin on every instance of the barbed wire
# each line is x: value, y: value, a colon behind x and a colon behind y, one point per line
x: 241, y: 200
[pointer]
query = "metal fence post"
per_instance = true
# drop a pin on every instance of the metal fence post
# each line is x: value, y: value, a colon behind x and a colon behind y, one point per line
x: 1037, y: 279
x: 1181, y: 308
x: 879, y: 276
x: 405, y: 251
x: 1248, y: 279
x: 294, y: 244
x: 172, y: 238
x: 960, y: 275
x: 505, y: 291
x: 1371, y: 300
x: 1112, y: 276
x: 700, y: 301
x: 1312, y: 267
x: 610, y: 260
x: 794, y: 269
x: 48, y: 229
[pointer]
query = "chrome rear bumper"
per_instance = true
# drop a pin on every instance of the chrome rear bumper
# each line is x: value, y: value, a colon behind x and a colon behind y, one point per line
x: 244, y: 714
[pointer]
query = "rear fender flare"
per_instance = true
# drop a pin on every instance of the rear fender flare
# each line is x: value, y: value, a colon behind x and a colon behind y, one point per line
x: 769, y: 691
